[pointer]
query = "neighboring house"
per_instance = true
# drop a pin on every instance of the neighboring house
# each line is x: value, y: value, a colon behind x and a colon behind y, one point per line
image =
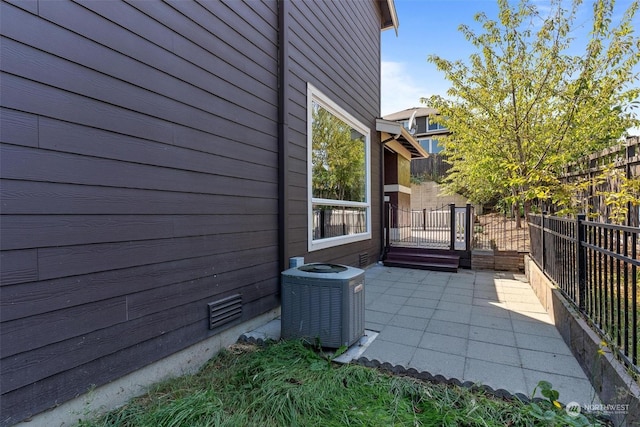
x: 400, y: 149
x: 159, y: 168
x: 426, y: 134
x: 428, y: 194
x: 427, y: 130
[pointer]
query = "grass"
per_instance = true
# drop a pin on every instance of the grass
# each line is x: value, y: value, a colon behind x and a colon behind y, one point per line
x: 290, y: 384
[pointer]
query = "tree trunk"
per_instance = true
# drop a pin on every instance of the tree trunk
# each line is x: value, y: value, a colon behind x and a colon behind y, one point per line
x: 527, y: 210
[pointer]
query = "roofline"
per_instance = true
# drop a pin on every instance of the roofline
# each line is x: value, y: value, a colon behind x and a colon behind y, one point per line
x: 406, y: 113
x: 393, y: 16
x: 397, y: 132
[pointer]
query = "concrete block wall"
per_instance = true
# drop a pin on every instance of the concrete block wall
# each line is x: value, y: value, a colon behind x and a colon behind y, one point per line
x: 615, y: 387
x: 428, y: 195
x: 483, y: 259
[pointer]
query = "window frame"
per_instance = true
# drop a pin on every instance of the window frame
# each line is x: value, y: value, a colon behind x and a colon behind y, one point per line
x: 432, y: 145
x: 315, y: 95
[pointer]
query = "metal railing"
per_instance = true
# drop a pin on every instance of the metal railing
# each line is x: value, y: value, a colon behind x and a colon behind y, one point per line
x: 595, y: 265
x: 432, y: 229
x: 336, y: 221
x: 501, y: 233
x: 448, y: 227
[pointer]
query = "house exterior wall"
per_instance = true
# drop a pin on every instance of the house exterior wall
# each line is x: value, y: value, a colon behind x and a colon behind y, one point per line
x: 334, y: 46
x: 421, y: 125
x: 391, y: 167
x: 139, y: 164
x: 397, y: 180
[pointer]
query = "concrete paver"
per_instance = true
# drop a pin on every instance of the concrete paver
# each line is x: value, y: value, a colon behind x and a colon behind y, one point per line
x: 484, y: 327
x: 438, y: 363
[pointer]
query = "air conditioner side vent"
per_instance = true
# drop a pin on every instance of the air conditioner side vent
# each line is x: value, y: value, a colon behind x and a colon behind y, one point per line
x: 224, y: 310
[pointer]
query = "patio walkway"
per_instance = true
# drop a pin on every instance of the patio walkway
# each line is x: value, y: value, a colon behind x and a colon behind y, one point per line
x: 481, y: 326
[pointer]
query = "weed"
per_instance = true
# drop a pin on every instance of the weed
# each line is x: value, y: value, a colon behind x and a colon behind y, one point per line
x: 552, y: 413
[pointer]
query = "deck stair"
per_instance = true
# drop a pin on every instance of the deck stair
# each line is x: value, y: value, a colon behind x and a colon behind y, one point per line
x: 423, y: 259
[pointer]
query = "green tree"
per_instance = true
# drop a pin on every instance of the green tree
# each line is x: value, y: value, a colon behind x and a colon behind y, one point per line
x: 525, y: 103
x: 338, y: 158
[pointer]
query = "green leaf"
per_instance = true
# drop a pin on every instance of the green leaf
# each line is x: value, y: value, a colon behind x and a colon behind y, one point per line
x: 544, y: 385
x: 550, y: 394
x: 550, y: 415
x: 340, y: 351
x: 529, y: 99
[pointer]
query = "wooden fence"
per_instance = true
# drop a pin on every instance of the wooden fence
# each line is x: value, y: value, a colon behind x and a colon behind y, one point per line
x: 435, y: 167
x: 624, y: 157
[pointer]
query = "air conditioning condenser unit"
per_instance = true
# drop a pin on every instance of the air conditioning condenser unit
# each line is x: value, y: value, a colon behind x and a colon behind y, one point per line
x: 323, y: 303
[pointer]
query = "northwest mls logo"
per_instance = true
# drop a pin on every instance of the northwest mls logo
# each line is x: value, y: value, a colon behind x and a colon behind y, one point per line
x: 573, y: 409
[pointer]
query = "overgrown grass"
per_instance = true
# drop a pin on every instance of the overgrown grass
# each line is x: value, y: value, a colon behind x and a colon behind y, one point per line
x: 289, y: 384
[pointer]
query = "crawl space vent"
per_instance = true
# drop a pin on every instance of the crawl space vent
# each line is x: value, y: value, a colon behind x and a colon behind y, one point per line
x: 224, y: 311
x: 363, y: 260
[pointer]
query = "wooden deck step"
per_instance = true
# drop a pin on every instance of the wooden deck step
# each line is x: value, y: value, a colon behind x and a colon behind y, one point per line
x: 424, y: 259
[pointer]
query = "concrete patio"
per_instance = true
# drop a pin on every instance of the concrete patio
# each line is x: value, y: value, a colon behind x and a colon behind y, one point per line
x: 481, y: 326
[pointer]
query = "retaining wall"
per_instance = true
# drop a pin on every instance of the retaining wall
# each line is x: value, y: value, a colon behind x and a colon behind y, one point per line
x: 617, y: 390
x: 485, y: 259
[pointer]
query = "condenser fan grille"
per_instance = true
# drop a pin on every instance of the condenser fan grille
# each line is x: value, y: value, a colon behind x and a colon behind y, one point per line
x: 323, y: 268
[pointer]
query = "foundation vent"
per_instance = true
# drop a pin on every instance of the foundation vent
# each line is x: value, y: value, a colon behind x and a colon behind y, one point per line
x: 363, y: 260
x: 225, y: 310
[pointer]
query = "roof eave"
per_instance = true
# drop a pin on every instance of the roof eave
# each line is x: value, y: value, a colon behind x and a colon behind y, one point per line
x: 397, y: 132
x: 389, y: 16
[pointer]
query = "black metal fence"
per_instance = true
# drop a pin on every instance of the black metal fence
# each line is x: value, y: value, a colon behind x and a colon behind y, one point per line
x: 448, y: 227
x: 500, y: 232
x: 338, y: 221
x: 595, y: 265
x: 433, y: 229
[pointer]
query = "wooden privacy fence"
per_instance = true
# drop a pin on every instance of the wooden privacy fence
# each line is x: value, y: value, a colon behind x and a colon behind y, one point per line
x: 625, y: 157
x: 595, y: 265
x: 434, y: 167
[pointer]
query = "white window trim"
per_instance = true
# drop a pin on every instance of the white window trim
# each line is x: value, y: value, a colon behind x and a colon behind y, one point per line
x: 314, y: 94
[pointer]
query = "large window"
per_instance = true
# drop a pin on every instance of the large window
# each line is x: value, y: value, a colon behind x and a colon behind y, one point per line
x: 432, y: 125
x: 431, y: 145
x: 338, y: 174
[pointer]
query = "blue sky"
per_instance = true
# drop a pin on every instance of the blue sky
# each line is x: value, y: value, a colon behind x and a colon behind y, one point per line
x: 431, y: 27
x: 426, y: 27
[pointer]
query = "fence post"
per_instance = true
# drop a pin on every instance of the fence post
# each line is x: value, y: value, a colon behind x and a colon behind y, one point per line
x: 452, y: 237
x: 344, y: 222
x: 387, y: 237
x: 542, y: 262
x: 424, y: 219
x: 627, y: 172
x: 467, y: 227
x: 582, y: 261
